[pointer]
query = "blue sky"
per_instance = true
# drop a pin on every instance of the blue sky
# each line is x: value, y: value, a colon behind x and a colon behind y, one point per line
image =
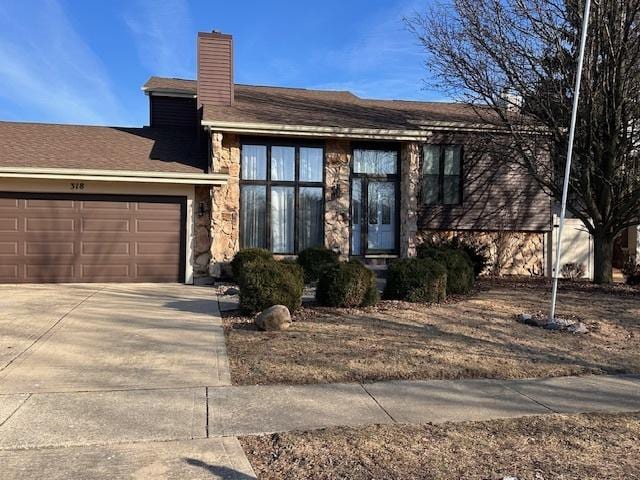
x: 83, y: 61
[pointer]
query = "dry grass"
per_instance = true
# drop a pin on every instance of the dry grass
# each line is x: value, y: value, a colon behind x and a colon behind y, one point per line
x: 470, y: 338
x: 591, y: 446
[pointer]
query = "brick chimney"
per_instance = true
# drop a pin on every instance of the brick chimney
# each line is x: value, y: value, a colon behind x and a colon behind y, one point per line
x: 215, y: 69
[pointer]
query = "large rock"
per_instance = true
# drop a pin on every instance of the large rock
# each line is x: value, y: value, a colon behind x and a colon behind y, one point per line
x: 273, y: 318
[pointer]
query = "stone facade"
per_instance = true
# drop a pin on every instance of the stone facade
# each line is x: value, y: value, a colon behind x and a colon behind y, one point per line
x: 202, y: 231
x: 337, y: 196
x: 217, y: 231
x: 409, y: 192
x: 225, y: 211
x: 511, y: 253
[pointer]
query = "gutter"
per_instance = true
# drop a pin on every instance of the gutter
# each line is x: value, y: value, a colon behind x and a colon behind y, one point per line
x: 167, y: 92
x: 427, y: 129
x: 423, y: 133
x: 220, y: 178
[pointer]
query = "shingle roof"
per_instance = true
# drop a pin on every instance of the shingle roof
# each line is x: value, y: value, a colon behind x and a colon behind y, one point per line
x: 104, y: 148
x: 171, y: 85
x: 324, y: 108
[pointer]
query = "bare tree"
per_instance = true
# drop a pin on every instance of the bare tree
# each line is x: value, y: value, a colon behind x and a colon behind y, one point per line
x: 516, y: 61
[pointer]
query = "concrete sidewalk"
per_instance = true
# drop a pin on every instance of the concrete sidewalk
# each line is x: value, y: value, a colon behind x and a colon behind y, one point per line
x: 47, y: 420
x: 247, y: 410
x: 188, y: 432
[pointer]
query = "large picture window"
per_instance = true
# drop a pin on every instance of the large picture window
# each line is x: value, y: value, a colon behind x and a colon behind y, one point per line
x: 281, y: 197
x: 442, y: 174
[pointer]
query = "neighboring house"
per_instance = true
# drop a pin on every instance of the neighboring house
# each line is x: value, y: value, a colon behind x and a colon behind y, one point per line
x: 224, y: 166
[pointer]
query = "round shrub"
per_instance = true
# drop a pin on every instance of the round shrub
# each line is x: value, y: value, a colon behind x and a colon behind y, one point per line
x: 478, y: 252
x: 245, y: 256
x: 460, y: 273
x: 264, y: 283
x: 314, y: 259
x: 416, y: 280
x: 348, y: 284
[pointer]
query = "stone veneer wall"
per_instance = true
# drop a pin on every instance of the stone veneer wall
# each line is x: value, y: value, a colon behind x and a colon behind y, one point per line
x: 409, y: 191
x: 225, y: 211
x: 202, y: 233
x: 511, y: 253
x: 337, y: 196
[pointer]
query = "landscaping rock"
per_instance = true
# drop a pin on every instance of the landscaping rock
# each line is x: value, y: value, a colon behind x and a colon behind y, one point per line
x: 274, y: 318
x: 232, y: 291
x: 577, y: 328
x: 559, y: 324
x: 541, y: 320
x: 537, y: 320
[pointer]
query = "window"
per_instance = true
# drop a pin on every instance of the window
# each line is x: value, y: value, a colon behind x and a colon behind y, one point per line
x: 441, y: 174
x: 281, y: 197
x: 375, y: 162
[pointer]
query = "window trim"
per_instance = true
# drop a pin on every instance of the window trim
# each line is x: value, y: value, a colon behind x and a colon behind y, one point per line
x: 366, y: 177
x: 441, y: 176
x: 295, y: 183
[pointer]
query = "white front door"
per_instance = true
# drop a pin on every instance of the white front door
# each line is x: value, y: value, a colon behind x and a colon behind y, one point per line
x: 381, y: 232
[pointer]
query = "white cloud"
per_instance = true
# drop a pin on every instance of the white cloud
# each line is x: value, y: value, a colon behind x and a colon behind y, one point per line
x: 46, y: 67
x: 163, y: 32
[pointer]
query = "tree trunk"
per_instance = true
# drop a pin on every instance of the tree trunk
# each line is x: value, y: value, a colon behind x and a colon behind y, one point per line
x: 603, y: 258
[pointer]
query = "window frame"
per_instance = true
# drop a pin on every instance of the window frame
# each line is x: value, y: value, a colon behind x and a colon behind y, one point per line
x: 365, y: 178
x: 441, y: 175
x: 269, y: 183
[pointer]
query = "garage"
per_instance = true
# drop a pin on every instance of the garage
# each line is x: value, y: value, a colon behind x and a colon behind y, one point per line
x: 63, y: 238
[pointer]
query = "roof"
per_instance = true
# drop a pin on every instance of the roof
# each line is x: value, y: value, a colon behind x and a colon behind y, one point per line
x: 106, y: 148
x: 324, y: 108
x: 177, y: 85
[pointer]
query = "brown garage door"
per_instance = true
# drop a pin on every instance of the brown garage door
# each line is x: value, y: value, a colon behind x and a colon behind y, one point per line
x: 89, y: 238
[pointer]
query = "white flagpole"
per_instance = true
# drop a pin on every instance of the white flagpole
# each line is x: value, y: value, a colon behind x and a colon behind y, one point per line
x: 567, y: 170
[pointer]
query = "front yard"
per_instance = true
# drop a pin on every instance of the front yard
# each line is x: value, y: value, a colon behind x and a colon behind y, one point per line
x: 474, y: 337
x: 590, y: 446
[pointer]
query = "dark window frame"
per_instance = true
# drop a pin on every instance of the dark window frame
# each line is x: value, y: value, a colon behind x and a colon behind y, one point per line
x: 441, y: 175
x: 269, y: 183
x: 364, y: 201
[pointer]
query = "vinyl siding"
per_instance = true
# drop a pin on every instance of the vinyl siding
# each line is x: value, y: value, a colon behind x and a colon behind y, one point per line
x: 496, y: 196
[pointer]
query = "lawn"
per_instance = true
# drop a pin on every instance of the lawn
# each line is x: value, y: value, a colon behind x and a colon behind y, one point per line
x: 589, y: 446
x: 474, y: 337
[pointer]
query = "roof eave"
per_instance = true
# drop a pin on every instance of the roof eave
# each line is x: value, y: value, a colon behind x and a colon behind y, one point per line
x: 424, y: 131
x: 168, y: 92
x: 135, y: 176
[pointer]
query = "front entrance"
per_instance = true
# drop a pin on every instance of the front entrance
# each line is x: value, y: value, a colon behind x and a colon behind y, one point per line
x: 374, y: 202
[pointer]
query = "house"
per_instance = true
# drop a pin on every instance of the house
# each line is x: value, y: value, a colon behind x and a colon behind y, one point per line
x: 224, y: 166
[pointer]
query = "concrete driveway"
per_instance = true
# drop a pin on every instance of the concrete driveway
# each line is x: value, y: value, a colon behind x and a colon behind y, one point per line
x: 67, y: 338
x: 112, y: 381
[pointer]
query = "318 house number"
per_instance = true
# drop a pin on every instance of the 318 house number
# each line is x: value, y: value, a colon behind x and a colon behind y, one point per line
x: 77, y: 186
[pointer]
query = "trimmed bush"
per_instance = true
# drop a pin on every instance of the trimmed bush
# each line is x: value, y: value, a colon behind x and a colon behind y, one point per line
x: 460, y: 274
x: 314, y: 259
x: 573, y: 271
x: 420, y: 280
x: 245, y: 256
x: 264, y: 283
x: 348, y: 284
x: 478, y: 252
